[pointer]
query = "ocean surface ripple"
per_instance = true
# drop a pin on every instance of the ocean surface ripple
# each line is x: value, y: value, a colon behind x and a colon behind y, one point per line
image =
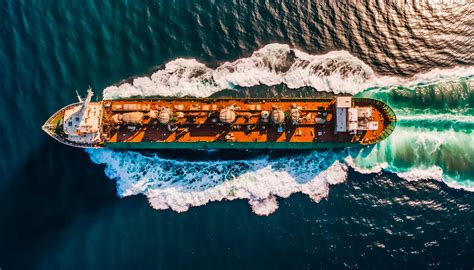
x: 404, y: 203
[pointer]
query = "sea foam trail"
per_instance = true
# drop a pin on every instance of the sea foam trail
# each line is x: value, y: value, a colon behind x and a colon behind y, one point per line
x: 177, y: 184
x: 336, y: 71
x: 433, y: 140
x: 414, y: 152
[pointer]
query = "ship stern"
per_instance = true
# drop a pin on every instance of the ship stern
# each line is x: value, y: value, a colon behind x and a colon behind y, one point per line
x: 67, y: 125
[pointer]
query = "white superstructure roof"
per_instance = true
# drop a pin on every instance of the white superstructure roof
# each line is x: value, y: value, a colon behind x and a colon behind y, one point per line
x: 82, y: 123
x: 343, y: 102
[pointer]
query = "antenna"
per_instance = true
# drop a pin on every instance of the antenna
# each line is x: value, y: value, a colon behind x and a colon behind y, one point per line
x: 88, y: 98
x: 78, y: 97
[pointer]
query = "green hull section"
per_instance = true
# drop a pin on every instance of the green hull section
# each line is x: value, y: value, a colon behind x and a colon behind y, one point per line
x: 229, y: 145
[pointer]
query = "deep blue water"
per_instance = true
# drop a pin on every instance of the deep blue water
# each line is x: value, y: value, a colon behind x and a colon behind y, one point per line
x: 64, y: 208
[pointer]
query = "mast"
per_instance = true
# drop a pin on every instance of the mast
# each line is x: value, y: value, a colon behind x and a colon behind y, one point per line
x: 88, y: 98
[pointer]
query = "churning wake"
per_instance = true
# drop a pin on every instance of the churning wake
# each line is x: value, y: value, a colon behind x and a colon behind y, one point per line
x: 337, y: 72
x: 433, y: 139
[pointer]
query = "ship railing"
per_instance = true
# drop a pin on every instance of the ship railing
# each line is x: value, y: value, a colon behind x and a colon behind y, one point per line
x: 73, y: 144
x: 63, y: 109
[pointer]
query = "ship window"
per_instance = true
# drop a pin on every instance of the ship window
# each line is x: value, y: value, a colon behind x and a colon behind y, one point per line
x: 77, y: 119
x: 69, y: 123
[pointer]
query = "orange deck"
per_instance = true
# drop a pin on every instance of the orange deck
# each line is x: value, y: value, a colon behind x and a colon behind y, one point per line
x: 201, y: 122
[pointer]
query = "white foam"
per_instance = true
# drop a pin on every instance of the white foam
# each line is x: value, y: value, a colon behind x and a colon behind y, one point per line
x: 374, y: 168
x: 436, y: 173
x: 180, y: 77
x: 416, y: 153
x: 436, y: 118
x: 336, y: 71
x: 179, y: 185
x: 433, y: 172
x: 264, y: 207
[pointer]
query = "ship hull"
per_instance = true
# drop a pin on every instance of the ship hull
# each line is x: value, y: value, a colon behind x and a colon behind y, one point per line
x: 229, y: 145
x: 223, y: 123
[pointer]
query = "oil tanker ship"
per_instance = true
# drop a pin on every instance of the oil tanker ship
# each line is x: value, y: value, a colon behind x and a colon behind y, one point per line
x: 222, y: 123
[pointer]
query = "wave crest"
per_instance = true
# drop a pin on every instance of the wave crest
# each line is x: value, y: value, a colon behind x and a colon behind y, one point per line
x: 179, y: 184
x: 336, y: 72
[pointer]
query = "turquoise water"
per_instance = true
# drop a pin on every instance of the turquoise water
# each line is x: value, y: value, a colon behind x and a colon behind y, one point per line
x: 434, y: 133
x: 404, y: 203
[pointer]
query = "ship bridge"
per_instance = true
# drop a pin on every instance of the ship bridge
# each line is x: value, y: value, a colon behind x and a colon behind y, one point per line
x: 82, y: 123
x: 78, y: 124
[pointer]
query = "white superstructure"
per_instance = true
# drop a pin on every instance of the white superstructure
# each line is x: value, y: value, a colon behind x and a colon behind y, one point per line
x: 82, y: 123
x: 351, y: 119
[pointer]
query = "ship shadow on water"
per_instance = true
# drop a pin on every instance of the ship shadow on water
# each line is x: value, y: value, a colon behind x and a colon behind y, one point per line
x: 221, y: 154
